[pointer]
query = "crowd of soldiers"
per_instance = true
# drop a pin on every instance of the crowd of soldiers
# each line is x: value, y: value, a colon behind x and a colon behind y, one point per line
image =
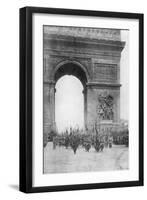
x: 75, y: 138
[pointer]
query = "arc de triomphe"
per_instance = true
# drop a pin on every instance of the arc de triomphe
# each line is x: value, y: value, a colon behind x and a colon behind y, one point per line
x: 93, y: 56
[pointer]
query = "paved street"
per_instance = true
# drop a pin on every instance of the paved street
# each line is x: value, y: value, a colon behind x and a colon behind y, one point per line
x: 63, y: 160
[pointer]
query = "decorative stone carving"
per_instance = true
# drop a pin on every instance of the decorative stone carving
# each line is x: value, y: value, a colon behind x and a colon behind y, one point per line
x: 105, y: 107
x: 107, y: 34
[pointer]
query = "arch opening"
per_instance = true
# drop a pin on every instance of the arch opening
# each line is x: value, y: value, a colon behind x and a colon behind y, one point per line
x: 69, y: 103
x: 71, y: 68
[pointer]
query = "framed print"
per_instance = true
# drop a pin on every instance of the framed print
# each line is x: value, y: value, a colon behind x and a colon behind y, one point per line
x: 81, y: 99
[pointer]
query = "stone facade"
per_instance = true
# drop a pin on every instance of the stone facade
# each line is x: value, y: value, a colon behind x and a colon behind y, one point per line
x: 93, y: 56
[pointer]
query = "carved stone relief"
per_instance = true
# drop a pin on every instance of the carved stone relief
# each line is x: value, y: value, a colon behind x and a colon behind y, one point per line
x: 105, y: 107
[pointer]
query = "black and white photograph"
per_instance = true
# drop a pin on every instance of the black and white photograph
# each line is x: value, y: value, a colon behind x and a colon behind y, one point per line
x: 85, y: 99
x: 72, y: 100
x: 81, y: 85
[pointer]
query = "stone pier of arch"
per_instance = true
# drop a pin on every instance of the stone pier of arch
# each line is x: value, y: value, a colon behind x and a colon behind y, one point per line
x: 93, y: 56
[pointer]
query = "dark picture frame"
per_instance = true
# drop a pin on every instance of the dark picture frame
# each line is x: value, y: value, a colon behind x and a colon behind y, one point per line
x: 26, y: 103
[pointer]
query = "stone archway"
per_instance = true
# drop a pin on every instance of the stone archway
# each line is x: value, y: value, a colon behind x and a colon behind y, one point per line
x: 66, y: 67
x: 93, y: 56
x: 71, y: 67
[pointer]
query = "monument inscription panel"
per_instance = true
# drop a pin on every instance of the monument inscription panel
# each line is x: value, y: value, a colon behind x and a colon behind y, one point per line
x: 106, y: 72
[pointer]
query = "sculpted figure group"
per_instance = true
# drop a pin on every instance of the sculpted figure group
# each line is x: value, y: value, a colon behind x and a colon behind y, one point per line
x: 105, y: 107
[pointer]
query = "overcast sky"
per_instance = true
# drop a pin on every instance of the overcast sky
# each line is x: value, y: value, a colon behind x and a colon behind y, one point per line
x: 124, y: 77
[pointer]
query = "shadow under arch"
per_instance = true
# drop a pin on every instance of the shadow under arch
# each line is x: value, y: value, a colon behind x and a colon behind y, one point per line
x: 69, y: 67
